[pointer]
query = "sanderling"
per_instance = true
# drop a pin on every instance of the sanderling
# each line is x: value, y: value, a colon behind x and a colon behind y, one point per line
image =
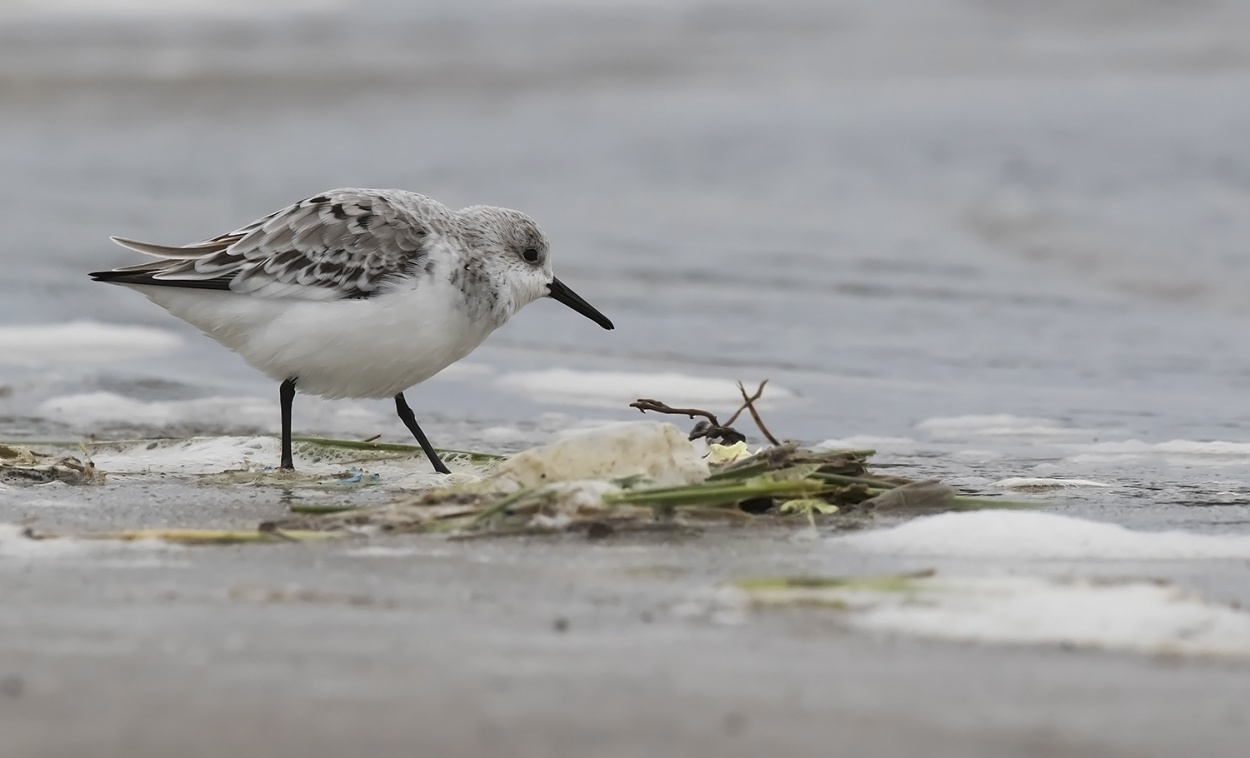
x: 358, y: 293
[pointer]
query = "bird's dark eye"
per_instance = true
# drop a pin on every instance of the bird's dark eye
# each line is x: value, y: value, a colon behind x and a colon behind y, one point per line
x: 530, y: 255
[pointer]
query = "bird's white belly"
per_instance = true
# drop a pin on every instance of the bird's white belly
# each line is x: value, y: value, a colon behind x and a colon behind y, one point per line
x: 370, y: 348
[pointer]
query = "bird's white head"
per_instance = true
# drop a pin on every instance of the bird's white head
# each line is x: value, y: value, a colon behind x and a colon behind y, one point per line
x: 514, y: 257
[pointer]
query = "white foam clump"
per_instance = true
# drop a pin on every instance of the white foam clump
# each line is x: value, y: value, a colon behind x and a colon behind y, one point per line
x: 659, y: 451
x: 1045, y: 483
x: 865, y: 442
x: 1040, y: 536
x: 614, y: 389
x: 1194, y: 449
x: 994, y: 425
x: 200, y: 456
x: 90, y: 409
x: 1136, y: 616
x: 82, y: 342
x: 1214, y: 447
x: 197, y: 455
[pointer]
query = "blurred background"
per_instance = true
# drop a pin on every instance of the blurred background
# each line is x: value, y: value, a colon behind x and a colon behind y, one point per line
x: 994, y: 240
x: 1007, y: 232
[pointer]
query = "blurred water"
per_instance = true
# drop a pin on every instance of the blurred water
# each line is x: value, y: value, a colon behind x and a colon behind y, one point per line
x: 900, y: 212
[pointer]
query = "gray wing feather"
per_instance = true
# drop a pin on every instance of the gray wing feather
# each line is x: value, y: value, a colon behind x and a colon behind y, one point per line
x: 166, y: 251
x: 345, y: 243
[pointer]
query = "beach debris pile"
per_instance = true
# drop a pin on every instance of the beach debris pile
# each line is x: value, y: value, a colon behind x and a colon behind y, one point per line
x: 651, y: 476
x: 1147, y: 616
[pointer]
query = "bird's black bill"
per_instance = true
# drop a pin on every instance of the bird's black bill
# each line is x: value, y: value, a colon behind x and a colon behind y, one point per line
x: 561, y: 294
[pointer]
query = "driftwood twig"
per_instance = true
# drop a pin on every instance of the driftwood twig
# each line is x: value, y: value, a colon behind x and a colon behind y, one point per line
x: 749, y: 404
x: 645, y: 404
x: 709, y: 427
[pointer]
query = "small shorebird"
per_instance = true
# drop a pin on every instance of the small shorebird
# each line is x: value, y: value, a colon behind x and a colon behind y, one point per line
x: 355, y: 293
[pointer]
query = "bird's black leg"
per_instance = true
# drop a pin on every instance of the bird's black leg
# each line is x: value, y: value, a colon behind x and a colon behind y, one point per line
x: 287, y: 394
x: 410, y: 421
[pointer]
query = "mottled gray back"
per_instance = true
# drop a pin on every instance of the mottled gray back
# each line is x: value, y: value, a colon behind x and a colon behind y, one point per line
x: 345, y: 243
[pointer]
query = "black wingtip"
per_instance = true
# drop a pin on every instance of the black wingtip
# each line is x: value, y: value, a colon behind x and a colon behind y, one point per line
x: 119, y: 277
x: 146, y: 277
